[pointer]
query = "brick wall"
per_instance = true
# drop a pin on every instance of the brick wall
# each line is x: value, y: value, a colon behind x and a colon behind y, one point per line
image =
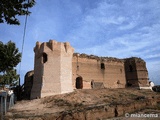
x: 57, y: 70
x: 52, y: 69
x: 107, y: 70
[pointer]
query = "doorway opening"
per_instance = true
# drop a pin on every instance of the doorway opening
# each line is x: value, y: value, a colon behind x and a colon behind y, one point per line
x: 79, y: 82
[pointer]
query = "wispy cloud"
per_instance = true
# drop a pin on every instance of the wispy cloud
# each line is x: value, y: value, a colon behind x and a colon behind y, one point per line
x: 154, y: 71
x: 114, y: 27
x: 120, y: 28
x: 105, y: 28
x: 128, y: 26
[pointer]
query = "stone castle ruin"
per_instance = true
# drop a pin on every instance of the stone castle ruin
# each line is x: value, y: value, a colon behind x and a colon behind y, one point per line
x: 57, y: 70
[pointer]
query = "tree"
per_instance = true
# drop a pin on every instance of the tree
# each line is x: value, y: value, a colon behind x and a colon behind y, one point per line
x: 9, y: 56
x: 10, y: 9
x: 9, y: 78
x: 9, y: 59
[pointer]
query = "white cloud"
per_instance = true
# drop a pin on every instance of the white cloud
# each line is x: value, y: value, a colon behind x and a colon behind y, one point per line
x: 104, y: 22
x: 111, y: 20
x: 154, y: 71
x: 128, y: 26
x: 153, y: 56
x: 104, y: 28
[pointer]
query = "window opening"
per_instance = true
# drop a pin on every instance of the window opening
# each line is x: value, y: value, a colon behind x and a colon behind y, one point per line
x: 45, y: 58
x: 102, y: 66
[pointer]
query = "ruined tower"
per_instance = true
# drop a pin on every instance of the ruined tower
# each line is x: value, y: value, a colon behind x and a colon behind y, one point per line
x: 52, y: 69
x: 136, y: 72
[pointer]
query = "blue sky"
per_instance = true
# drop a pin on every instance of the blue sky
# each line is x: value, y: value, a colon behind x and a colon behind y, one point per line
x: 114, y: 28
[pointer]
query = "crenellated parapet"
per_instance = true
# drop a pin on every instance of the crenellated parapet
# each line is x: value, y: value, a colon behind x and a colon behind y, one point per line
x: 53, y: 45
x: 102, y: 59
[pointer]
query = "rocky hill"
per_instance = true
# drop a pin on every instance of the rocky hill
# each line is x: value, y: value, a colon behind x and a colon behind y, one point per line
x: 89, y: 104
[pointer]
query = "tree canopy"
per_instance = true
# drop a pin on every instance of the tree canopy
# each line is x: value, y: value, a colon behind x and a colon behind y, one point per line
x: 10, y: 78
x: 10, y: 9
x: 9, y: 59
x: 9, y: 56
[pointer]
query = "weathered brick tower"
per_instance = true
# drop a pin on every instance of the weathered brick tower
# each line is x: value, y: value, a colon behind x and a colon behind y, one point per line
x: 52, y: 69
x: 136, y: 72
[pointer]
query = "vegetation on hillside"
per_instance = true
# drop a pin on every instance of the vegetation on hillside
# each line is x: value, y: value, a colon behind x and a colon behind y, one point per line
x: 9, y: 59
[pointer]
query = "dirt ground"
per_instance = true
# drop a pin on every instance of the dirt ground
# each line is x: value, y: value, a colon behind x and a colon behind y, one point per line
x: 80, y: 99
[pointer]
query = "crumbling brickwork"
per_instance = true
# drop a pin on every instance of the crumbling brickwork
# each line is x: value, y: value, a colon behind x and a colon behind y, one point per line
x: 112, y: 72
x: 109, y: 71
x: 136, y: 72
x: 28, y: 84
x: 57, y: 70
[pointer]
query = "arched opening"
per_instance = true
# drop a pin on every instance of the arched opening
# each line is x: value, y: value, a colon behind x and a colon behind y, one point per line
x: 102, y: 66
x: 118, y: 82
x: 79, y: 83
x: 45, y: 58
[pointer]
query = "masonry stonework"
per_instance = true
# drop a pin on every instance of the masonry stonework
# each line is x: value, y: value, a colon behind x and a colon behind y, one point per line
x: 52, y: 69
x: 28, y: 84
x: 104, y: 70
x: 136, y: 72
x: 58, y: 70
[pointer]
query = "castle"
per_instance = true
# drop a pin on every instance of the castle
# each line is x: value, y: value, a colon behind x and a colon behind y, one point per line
x: 57, y: 70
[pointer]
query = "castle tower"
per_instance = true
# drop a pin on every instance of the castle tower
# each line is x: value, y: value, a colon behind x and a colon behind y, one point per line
x: 136, y: 72
x: 52, y: 69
